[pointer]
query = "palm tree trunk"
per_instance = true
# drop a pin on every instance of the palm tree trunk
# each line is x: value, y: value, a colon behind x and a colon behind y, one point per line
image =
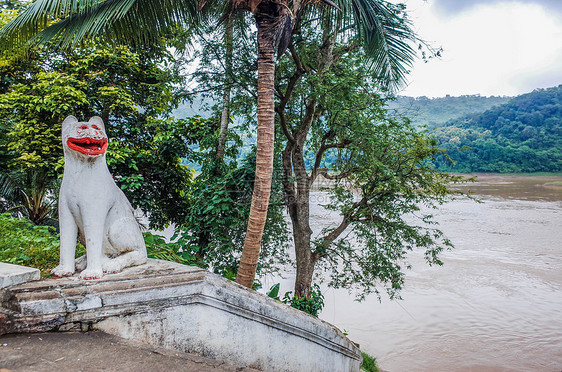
x: 225, y: 115
x: 264, y: 154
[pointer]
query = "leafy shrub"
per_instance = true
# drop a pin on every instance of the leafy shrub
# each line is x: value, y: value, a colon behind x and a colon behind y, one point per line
x: 312, y: 305
x: 157, y: 247
x: 23, y: 243
x: 274, y: 292
x: 183, y: 251
x: 369, y: 363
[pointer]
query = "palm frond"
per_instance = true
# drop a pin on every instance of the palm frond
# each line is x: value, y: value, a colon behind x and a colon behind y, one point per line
x: 390, y: 47
x: 384, y: 30
x: 131, y: 21
x: 38, y: 16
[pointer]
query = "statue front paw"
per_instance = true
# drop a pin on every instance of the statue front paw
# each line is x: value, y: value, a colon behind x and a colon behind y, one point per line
x: 62, y: 271
x: 91, y: 274
x: 112, y: 267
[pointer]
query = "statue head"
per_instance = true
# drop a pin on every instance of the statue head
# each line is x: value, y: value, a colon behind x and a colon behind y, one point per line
x: 84, y: 138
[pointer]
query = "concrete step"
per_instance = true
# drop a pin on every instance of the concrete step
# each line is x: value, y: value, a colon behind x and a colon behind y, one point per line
x: 15, y: 274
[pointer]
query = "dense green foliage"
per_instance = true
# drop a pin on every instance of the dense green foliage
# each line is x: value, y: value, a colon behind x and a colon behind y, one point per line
x: 24, y: 243
x: 429, y: 112
x: 158, y: 247
x: 132, y: 90
x: 330, y: 115
x: 311, y: 304
x: 219, y: 206
x: 523, y: 135
x: 369, y: 363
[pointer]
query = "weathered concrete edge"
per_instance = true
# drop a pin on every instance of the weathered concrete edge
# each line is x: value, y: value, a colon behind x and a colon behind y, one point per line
x: 274, y: 323
x: 65, y: 313
x: 84, y: 320
x: 11, y: 274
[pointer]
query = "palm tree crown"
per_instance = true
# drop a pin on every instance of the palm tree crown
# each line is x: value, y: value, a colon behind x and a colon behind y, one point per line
x: 385, y: 31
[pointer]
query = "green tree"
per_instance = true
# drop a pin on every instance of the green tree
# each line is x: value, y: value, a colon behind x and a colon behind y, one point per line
x: 381, y: 25
x: 134, y: 95
x: 219, y: 205
x: 131, y: 90
x: 336, y: 130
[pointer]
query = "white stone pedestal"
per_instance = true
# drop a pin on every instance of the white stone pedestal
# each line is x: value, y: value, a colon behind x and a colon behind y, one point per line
x: 183, y: 308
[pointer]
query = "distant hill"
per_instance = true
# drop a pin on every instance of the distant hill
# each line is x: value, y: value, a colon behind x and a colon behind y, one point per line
x: 422, y: 111
x: 430, y: 112
x: 522, y: 135
x: 482, y: 134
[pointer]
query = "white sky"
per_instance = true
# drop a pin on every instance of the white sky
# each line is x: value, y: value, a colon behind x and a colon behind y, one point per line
x: 491, y: 47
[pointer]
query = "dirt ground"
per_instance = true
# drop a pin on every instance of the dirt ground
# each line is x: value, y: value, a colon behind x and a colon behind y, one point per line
x: 96, y: 351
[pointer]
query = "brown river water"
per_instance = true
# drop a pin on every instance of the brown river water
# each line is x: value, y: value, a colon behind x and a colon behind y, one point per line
x: 495, y: 305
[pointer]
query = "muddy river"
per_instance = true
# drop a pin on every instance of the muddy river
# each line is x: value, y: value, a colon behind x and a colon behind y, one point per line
x: 495, y: 305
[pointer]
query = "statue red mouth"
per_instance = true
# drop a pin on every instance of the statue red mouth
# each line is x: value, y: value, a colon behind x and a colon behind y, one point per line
x: 88, y: 146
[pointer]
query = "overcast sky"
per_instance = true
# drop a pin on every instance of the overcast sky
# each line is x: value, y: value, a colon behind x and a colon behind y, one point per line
x: 491, y: 47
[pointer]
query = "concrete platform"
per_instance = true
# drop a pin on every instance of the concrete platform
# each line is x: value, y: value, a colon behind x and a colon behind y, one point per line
x: 183, y: 308
x: 15, y: 274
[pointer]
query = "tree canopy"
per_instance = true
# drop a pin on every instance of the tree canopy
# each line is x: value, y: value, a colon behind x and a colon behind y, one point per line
x: 316, y: 96
x: 333, y: 126
x: 382, y: 27
x: 131, y: 90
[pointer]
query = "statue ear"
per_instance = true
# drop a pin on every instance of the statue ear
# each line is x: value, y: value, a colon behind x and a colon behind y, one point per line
x: 97, y: 120
x: 69, y: 120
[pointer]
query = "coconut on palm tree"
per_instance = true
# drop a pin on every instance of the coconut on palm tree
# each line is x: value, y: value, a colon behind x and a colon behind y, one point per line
x: 382, y: 27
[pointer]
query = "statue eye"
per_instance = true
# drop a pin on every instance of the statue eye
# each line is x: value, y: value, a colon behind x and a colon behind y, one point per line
x: 95, y: 127
x: 84, y: 127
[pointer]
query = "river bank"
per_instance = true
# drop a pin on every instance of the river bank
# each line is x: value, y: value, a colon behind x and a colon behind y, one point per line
x: 515, y: 186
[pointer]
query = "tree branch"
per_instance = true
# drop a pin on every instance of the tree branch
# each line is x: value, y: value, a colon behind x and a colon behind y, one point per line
x: 284, y: 125
x: 329, y: 239
x: 323, y: 147
x: 290, y: 87
x: 284, y: 99
x: 296, y: 58
x: 342, y: 175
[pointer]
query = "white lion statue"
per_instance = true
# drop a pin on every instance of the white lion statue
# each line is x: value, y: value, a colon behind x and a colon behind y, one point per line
x: 93, y: 206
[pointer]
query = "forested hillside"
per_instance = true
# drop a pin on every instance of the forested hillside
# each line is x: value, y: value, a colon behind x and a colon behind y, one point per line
x: 523, y: 135
x: 482, y: 134
x: 430, y: 112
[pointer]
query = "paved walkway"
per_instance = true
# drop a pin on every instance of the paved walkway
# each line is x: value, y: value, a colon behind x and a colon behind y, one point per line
x: 96, y: 351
